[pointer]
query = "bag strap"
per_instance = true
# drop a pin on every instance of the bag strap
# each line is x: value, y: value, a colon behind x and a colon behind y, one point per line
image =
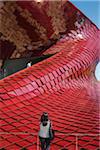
x: 50, y: 124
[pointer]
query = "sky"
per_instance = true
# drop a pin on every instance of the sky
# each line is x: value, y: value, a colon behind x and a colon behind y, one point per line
x: 97, y: 72
x: 91, y: 8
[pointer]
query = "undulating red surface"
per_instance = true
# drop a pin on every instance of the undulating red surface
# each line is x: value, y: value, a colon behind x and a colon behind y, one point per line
x: 62, y: 85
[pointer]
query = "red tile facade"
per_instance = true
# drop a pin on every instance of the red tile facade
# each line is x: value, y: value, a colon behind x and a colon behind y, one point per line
x: 62, y: 85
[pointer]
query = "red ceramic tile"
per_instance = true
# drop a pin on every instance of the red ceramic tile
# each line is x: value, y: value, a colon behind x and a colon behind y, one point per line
x: 24, y: 89
x: 38, y: 81
x: 62, y: 85
x: 47, y: 78
x: 51, y: 76
x: 31, y: 77
x: 21, y: 83
x: 15, y: 85
x: 30, y: 87
x: 34, y: 84
x: 4, y: 96
x: 27, y: 80
x: 14, y: 146
x: 91, y: 147
x: 48, y: 85
x: 41, y: 90
x: 43, y: 80
x: 18, y: 92
x: 2, y: 90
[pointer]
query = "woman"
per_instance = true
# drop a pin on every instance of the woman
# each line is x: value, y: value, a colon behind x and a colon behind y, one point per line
x: 45, y: 132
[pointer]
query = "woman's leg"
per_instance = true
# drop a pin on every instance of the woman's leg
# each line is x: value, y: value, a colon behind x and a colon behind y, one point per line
x: 42, y: 140
x: 48, y: 144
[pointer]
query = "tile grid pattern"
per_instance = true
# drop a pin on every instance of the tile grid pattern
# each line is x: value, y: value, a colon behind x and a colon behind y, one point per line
x: 58, y: 85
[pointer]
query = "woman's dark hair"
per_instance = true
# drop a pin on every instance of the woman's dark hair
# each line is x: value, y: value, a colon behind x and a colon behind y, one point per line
x: 44, y: 123
x: 44, y: 119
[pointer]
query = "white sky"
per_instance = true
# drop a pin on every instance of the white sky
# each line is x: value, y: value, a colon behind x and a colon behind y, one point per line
x: 97, y: 72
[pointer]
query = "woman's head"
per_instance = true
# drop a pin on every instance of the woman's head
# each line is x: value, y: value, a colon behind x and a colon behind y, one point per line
x: 45, y: 114
x: 44, y: 118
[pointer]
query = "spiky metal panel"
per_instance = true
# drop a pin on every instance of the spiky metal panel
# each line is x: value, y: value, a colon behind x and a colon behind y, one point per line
x: 27, y: 25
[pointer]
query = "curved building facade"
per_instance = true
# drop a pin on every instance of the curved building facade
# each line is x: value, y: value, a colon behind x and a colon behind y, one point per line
x: 63, y: 85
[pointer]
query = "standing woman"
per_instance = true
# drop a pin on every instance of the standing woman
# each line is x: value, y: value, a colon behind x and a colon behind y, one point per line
x: 45, y: 133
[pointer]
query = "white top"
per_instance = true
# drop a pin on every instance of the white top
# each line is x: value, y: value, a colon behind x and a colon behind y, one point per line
x: 29, y: 64
x: 44, y: 130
